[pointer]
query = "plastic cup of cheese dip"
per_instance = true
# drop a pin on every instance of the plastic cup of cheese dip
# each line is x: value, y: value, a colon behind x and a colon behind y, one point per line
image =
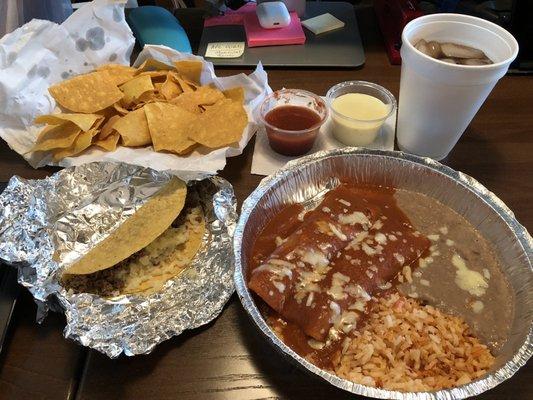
x: 358, y: 111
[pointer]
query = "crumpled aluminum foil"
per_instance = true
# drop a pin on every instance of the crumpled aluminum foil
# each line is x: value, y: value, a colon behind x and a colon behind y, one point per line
x: 306, y: 179
x: 77, y: 207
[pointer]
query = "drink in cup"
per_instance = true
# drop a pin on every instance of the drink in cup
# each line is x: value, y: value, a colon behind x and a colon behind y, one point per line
x: 450, y: 64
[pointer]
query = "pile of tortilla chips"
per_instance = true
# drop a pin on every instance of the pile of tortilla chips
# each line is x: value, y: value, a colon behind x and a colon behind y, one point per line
x: 153, y: 105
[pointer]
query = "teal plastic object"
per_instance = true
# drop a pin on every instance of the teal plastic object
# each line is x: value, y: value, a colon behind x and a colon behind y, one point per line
x: 156, y: 25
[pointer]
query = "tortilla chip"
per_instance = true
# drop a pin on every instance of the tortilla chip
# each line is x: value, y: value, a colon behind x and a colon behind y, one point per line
x: 220, y: 125
x: 235, y: 94
x: 87, y: 93
x: 136, y: 232
x: 147, y: 97
x: 133, y: 129
x: 83, y: 141
x: 168, y: 126
x: 83, y: 121
x: 109, y: 143
x: 184, y: 84
x: 152, y: 64
x: 188, y: 150
x: 190, y: 107
x: 191, y: 70
x: 170, y: 89
x: 108, y: 112
x: 121, y: 110
x: 155, y: 76
x: 203, y: 96
x: 57, y: 137
x: 98, y: 123
x: 108, y: 127
x: 206, y: 95
x: 191, y: 101
x: 94, y: 131
x: 118, y: 73
x: 136, y: 87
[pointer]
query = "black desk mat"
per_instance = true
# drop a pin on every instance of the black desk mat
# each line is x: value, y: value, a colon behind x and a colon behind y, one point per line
x: 340, y: 48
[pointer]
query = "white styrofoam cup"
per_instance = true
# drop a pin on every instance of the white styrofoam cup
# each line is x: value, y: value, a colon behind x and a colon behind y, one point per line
x: 437, y: 99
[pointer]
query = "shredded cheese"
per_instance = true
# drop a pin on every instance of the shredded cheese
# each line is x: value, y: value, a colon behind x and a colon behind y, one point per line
x: 399, y: 258
x: 468, y: 279
x: 477, y: 306
x: 278, y: 285
x: 310, y: 299
x: 314, y: 258
x: 380, y: 238
x: 368, y: 250
x: 337, y: 232
x: 354, y: 244
x: 315, y: 344
x: 280, y: 241
x: 385, y: 286
x: 283, y: 263
x: 356, y: 217
x: 377, y: 225
x: 407, y: 273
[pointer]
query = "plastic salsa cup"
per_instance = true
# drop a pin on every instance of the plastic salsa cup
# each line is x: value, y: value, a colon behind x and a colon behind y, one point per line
x: 292, y: 120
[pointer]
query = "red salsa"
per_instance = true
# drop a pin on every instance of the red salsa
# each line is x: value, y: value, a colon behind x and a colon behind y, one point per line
x: 290, y: 120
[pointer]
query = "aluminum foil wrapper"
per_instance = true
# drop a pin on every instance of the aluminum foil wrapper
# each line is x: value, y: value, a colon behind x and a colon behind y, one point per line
x: 303, y: 180
x: 77, y: 207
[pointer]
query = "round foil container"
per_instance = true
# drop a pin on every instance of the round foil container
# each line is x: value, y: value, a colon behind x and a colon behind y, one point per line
x: 301, y: 179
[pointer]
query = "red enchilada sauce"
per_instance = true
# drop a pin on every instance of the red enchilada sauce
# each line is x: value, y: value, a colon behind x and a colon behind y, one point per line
x: 291, y: 120
x: 318, y: 273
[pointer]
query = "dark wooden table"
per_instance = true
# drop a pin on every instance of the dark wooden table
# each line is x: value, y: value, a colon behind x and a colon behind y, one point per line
x: 228, y: 359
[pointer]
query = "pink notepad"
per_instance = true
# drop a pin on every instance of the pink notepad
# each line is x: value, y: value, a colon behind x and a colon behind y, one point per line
x: 257, y: 36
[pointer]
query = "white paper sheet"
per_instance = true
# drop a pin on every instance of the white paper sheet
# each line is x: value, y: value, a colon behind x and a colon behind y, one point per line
x: 42, y: 53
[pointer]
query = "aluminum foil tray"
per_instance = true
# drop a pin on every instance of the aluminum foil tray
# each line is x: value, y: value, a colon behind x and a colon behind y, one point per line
x: 304, y: 178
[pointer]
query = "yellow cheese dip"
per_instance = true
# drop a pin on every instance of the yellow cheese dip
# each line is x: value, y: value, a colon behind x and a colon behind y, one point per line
x: 357, y: 118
